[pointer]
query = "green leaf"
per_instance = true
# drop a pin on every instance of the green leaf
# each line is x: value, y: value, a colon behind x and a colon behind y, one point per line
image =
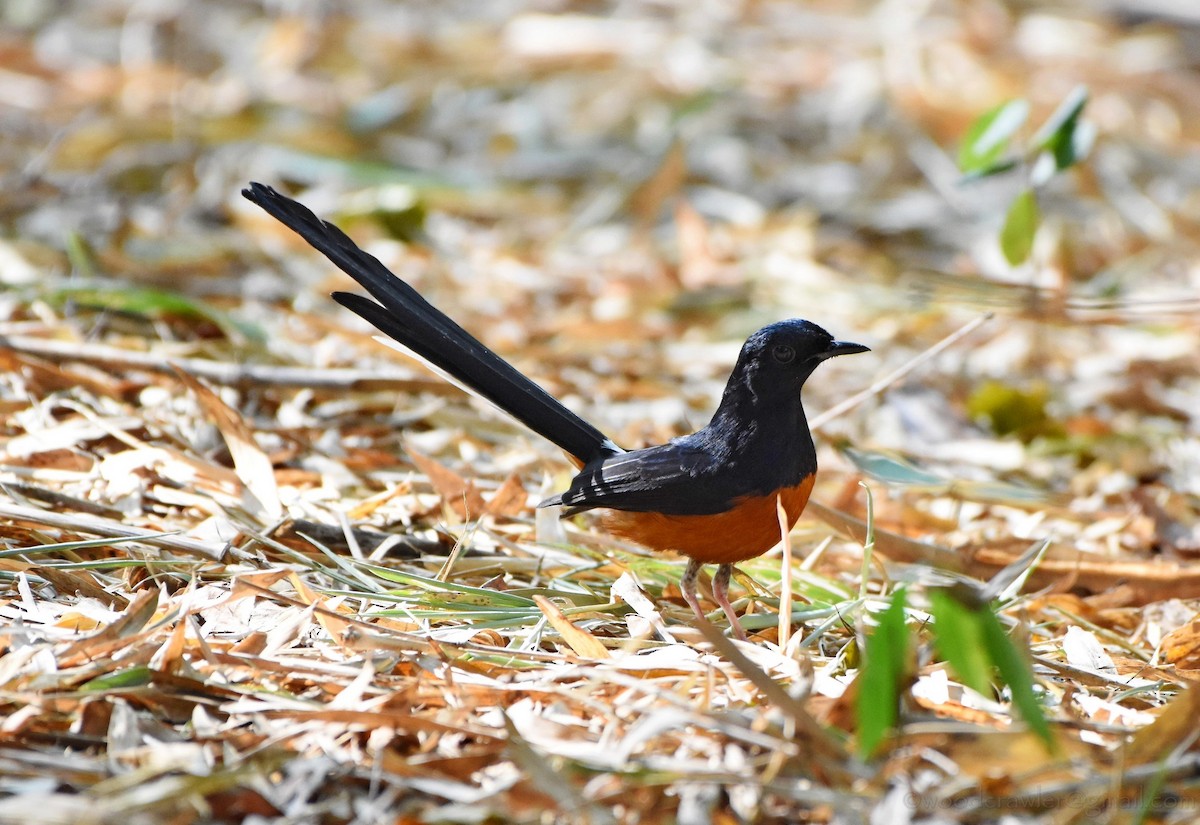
x: 988, y: 138
x: 130, y: 677
x: 149, y: 302
x: 970, y: 637
x: 459, y: 593
x: 1016, y: 673
x: 1061, y: 136
x: 959, y: 635
x: 1012, y: 410
x: 891, y: 469
x: 997, y: 168
x: 897, y: 470
x: 883, y: 672
x: 1020, y: 227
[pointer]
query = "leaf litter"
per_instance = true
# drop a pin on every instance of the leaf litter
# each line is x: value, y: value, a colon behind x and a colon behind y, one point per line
x: 257, y: 566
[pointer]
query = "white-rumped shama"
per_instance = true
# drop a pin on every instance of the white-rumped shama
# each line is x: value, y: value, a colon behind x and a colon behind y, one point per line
x: 711, y: 495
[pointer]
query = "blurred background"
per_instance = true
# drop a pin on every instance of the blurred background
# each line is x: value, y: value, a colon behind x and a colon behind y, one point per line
x: 615, y: 194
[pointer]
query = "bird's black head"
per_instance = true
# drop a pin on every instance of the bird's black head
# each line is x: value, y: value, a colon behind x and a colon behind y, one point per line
x: 762, y: 397
x: 782, y: 355
x: 774, y: 364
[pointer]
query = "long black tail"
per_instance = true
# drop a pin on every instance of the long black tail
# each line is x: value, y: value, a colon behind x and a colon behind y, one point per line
x: 404, y: 315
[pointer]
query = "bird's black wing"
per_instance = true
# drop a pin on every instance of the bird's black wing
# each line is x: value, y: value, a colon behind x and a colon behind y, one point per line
x: 675, y: 479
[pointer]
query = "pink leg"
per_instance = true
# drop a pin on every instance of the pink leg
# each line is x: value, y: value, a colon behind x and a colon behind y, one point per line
x: 720, y: 587
x: 687, y: 585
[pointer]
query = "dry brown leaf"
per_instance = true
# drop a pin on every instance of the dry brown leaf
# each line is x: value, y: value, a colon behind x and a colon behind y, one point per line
x: 169, y: 657
x: 647, y: 200
x: 327, y: 617
x: 79, y: 582
x: 46, y: 376
x: 697, y: 266
x: 509, y: 500
x: 367, y: 506
x: 580, y: 641
x: 1181, y: 647
x: 252, y: 465
x: 1174, y: 725
x: 460, y: 495
x: 254, y: 584
x: 128, y: 624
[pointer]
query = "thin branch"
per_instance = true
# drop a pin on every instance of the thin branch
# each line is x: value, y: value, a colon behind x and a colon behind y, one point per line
x: 225, y: 373
x: 894, y: 376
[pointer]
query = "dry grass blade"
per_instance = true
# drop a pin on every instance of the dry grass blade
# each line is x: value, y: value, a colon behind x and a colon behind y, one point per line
x: 111, y: 529
x: 785, y: 586
x: 892, y: 545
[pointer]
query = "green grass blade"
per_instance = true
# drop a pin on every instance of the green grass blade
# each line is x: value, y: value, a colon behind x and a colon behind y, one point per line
x: 878, y: 699
x: 1017, y: 675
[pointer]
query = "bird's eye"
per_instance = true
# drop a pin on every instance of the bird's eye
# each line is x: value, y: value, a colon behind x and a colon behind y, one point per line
x: 783, y: 353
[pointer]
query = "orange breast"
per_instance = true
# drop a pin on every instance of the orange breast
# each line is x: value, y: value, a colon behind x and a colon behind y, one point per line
x: 750, y: 528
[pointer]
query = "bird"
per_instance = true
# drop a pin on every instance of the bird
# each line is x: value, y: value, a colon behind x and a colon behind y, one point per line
x: 712, y: 496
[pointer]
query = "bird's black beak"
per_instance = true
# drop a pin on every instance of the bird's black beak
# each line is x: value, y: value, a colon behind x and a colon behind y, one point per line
x: 843, y: 348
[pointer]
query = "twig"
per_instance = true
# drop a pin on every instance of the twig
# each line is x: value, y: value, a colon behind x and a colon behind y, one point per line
x: 1141, y: 582
x: 108, y: 529
x: 904, y: 369
x: 224, y: 373
x: 826, y: 748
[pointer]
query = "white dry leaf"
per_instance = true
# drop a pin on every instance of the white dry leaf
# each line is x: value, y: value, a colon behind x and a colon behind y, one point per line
x: 204, y: 725
x: 257, y: 707
x: 547, y: 528
x: 638, y: 627
x: 237, y: 618
x: 124, y: 733
x: 215, y: 530
x: 896, y: 807
x: 18, y: 719
x: 1084, y: 651
x: 627, y: 590
x: 492, y: 780
x: 16, y: 268
x: 1110, y: 713
x: 289, y: 628
x: 120, y: 471
x: 175, y: 757
x: 938, y: 689
x: 50, y: 809
x: 933, y: 687
x: 531, y: 720
x: 773, y: 661
x: 827, y: 681
x: 22, y: 660
x: 184, y: 499
x: 352, y: 695
x: 672, y: 657
x: 68, y: 434
x: 579, y: 36
x: 648, y: 727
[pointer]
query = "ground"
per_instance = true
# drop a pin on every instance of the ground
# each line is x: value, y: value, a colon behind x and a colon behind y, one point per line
x: 259, y: 567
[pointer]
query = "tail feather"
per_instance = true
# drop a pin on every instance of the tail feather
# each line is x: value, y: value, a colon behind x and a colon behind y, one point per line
x: 405, y: 316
